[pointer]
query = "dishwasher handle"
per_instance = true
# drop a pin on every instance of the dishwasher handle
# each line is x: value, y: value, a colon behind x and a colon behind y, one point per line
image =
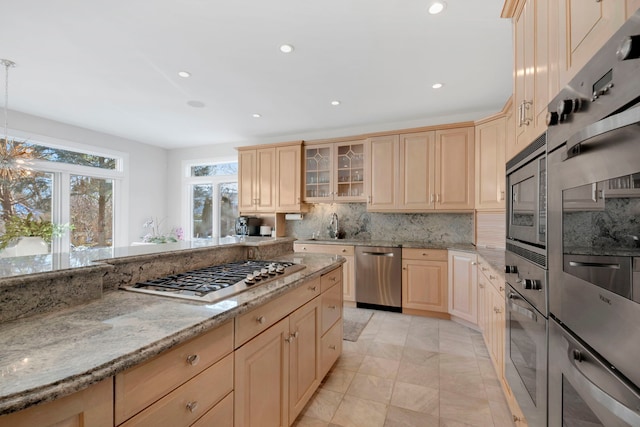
x: 389, y: 254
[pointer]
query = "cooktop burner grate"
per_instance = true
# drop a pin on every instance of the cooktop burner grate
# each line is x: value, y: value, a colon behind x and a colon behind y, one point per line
x: 223, y: 280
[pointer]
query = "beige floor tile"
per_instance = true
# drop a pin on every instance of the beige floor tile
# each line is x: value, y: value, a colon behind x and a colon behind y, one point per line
x: 356, y: 412
x: 471, y: 385
x: 349, y: 361
x: 400, y: 417
x: 494, y: 390
x: 427, y: 343
x: 486, y: 369
x: 453, y: 423
x: 309, y: 422
x: 371, y: 387
x: 385, y: 368
x: 456, y: 347
x: 424, y: 375
x: 338, y: 380
x: 361, y: 346
x: 452, y: 364
x: 323, y: 405
x: 421, y: 357
x: 416, y: 398
x: 384, y: 350
x: 390, y: 337
x: 465, y: 409
x: 501, y: 414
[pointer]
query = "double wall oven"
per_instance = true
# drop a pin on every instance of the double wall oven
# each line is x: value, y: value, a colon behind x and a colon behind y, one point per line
x: 594, y: 240
x: 526, y: 275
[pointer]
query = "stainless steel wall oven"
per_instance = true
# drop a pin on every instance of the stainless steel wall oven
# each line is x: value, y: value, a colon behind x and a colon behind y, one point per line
x: 594, y: 236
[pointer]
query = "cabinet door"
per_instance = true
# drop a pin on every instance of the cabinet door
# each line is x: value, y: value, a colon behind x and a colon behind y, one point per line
x: 90, y: 407
x: 490, y: 164
x: 383, y: 173
x: 498, y: 326
x: 349, y: 279
x: 349, y: 171
x: 463, y: 286
x: 417, y: 152
x: 262, y: 380
x: 632, y: 6
x: 524, y: 40
x: 304, y: 368
x: 289, y: 178
x: 455, y: 164
x: 483, y: 313
x: 247, y: 181
x: 584, y: 28
x: 424, y: 285
x: 318, y: 174
x: 266, y: 178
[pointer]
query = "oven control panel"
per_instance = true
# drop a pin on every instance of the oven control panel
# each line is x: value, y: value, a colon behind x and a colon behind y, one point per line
x: 528, y: 279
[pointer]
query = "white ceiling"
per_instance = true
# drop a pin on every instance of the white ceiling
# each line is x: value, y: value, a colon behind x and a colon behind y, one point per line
x: 112, y: 66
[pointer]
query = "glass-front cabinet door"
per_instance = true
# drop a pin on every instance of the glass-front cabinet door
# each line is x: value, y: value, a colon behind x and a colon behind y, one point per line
x: 349, y: 171
x: 318, y: 183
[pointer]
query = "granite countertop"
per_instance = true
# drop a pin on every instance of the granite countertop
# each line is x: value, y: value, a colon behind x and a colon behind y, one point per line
x: 494, y: 257
x: 391, y: 244
x: 48, y: 356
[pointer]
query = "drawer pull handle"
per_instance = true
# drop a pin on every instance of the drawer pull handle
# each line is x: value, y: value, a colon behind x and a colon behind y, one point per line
x: 193, y: 359
x: 483, y: 268
x: 344, y: 250
x: 261, y: 320
x: 501, y: 288
x: 492, y: 277
x: 481, y: 285
x: 474, y: 263
x: 332, y: 307
x: 497, y: 310
x: 332, y: 347
x: 313, y: 288
x: 192, y: 406
x: 424, y: 254
x: 333, y: 278
x: 295, y: 334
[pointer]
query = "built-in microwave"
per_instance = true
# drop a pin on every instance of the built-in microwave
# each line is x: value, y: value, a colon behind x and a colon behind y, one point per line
x: 527, y: 196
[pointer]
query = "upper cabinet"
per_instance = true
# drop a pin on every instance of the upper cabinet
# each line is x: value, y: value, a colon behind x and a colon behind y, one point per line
x: 423, y: 171
x: 335, y: 172
x: 490, y: 163
x: 270, y: 178
x: 632, y: 6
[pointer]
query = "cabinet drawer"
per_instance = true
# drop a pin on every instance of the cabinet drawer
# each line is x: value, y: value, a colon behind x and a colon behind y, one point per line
x: 425, y: 254
x: 491, y: 276
x: 191, y: 400
x: 142, y: 385
x: 331, y: 302
x: 330, y: 348
x: 220, y: 415
x: 331, y: 278
x: 323, y: 249
x: 260, y: 318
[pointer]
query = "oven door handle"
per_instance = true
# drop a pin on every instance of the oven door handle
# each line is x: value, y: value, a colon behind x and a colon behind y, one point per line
x: 610, y: 124
x: 594, y: 264
x: 614, y: 406
x: 521, y: 310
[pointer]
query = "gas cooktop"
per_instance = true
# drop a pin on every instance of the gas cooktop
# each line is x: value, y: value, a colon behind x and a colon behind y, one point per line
x: 215, y: 283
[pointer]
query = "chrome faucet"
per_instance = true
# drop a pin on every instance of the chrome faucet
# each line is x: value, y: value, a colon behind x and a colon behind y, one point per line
x: 333, y: 225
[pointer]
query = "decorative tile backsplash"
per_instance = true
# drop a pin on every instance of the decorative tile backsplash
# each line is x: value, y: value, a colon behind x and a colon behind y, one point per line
x: 357, y: 223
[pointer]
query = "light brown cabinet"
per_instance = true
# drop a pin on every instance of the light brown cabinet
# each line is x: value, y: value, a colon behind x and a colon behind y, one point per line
x: 289, y: 178
x: 632, y: 6
x: 463, y: 286
x: 92, y: 406
x: 348, y: 268
x: 490, y: 163
x: 335, y: 172
x: 256, y: 176
x: 424, y: 280
x: 418, y: 172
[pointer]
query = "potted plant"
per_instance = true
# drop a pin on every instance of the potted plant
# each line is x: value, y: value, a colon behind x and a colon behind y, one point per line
x: 30, y: 231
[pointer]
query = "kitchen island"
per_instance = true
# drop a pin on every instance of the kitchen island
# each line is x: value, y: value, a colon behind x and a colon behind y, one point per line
x: 57, y: 353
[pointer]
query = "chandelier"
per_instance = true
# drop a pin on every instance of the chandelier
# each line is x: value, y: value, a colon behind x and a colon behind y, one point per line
x: 15, y: 156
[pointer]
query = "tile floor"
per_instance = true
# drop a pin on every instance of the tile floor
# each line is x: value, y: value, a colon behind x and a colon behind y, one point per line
x: 410, y: 371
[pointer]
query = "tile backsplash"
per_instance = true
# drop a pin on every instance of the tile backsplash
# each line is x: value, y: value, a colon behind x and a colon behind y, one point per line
x: 357, y: 223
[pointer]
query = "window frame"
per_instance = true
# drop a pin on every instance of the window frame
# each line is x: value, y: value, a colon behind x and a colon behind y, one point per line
x: 189, y: 181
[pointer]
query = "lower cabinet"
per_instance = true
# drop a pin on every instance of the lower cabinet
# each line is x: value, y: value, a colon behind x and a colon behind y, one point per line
x: 424, y: 280
x: 463, y: 285
x: 348, y: 268
x: 90, y: 407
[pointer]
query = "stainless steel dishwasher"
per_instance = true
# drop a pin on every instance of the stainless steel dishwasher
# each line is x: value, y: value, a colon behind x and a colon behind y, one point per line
x: 379, y: 278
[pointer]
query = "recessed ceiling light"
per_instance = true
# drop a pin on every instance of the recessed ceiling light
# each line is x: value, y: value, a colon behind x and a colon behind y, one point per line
x: 436, y: 7
x: 436, y: 85
x: 256, y: 115
x: 184, y: 74
x: 336, y: 102
x: 286, y: 48
x: 196, y: 104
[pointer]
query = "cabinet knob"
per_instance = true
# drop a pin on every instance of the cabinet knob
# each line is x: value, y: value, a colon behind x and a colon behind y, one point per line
x: 424, y: 254
x: 501, y: 288
x: 492, y: 277
x: 497, y: 310
x: 333, y: 278
x: 474, y: 263
x: 192, y: 406
x: 313, y: 288
x: 481, y: 285
x: 344, y: 250
x: 193, y: 359
x: 332, y: 307
x: 332, y: 347
x: 261, y: 320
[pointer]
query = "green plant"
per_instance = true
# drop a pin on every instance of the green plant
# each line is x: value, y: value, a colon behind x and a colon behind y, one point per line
x: 28, y: 226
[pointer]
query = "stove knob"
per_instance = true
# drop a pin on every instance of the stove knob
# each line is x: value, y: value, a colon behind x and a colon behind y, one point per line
x: 629, y: 48
x: 568, y: 106
x: 280, y: 269
x: 552, y: 118
x: 256, y: 275
x: 511, y: 269
x: 264, y: 272
x: 531, y: 284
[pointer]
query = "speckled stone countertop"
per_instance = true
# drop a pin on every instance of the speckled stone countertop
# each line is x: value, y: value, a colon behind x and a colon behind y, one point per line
x: 392, y: 244
x: 494, y: 257
x: 45, y: 357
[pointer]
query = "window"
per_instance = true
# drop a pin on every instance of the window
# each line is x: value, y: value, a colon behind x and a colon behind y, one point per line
x: 213, y: 195
x: 74, y: 190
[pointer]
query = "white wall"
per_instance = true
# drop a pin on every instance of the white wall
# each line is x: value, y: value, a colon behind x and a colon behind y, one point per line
x: 147, y: 165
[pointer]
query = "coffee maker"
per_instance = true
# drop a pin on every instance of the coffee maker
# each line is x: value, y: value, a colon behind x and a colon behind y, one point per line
x: 248, y: 225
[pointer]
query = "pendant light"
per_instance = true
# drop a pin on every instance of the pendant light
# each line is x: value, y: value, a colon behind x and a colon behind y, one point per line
x: 15, y: 156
